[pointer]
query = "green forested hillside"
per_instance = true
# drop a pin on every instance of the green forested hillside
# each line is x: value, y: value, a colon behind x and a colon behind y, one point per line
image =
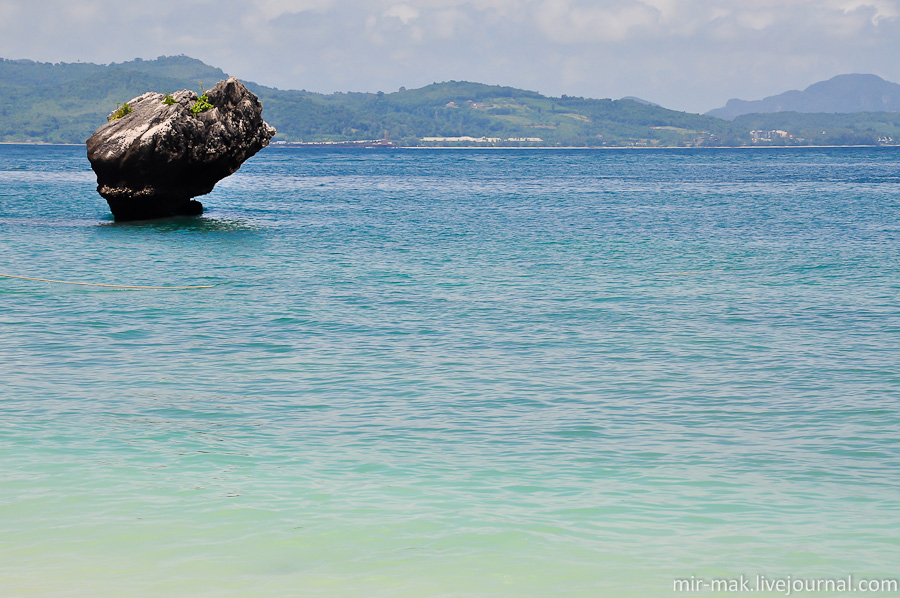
x: 457, y: 109
x: 64, y: 103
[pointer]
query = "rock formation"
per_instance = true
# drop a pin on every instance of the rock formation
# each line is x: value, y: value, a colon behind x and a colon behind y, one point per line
x: 153, y: 157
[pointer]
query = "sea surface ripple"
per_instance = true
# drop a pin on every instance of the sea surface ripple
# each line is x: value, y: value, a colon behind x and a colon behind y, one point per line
x: 453, y: 373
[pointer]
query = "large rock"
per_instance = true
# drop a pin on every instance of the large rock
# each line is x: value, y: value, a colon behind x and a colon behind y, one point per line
x: 153, y: 160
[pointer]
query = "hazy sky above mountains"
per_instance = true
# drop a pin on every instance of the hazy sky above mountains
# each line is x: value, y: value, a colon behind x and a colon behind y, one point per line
x: 684, y: 54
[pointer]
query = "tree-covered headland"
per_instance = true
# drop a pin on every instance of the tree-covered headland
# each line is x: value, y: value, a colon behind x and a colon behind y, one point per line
x: 65, y: 103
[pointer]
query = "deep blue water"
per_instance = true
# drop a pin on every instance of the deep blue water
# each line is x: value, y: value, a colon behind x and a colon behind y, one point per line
x: 453, y: 373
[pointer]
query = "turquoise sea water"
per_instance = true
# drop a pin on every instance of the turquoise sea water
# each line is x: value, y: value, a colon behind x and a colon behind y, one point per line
x: 453, y: 373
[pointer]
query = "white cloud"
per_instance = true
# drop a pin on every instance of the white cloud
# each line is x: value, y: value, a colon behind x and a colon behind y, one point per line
x: 565, y: 21
x: 690, y: 54
x: 272, y: 9
x: 881, y: 9
x: 449, y: 21
x: 756, y: 20
x: 404, y: 12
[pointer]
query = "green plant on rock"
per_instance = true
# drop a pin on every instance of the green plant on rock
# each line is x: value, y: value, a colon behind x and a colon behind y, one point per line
x: 168, y: 100
x: 120, y: 111
x: 202, y: 104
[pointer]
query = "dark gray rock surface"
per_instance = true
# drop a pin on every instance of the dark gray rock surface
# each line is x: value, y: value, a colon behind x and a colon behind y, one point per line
x: 152, y: 162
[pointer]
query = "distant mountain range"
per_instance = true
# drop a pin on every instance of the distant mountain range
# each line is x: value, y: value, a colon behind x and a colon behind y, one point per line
x: 839, y: 95
x: 64, y: 103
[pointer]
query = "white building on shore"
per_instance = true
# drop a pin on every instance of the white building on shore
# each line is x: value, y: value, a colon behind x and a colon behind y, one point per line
x: 462, y: 139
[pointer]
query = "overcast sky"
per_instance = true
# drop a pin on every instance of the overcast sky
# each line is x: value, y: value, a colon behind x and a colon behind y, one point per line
x: 688, y: 55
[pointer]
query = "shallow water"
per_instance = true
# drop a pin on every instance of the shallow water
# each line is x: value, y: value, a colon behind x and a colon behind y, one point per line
x: 453, y: 373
